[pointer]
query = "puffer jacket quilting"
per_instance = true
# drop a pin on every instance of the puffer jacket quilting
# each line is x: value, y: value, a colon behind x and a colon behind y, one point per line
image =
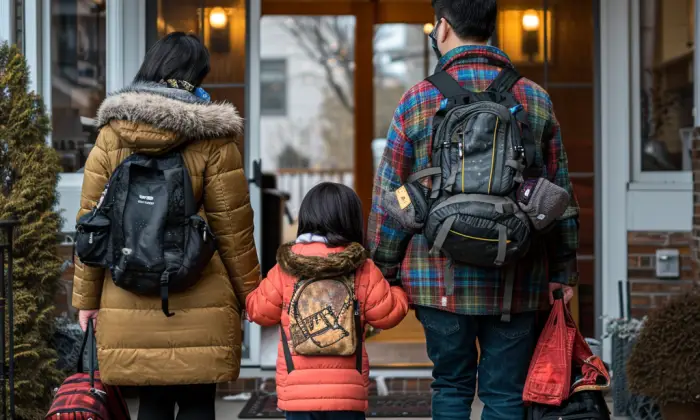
x: 137, y: 344
x: 325, y: 383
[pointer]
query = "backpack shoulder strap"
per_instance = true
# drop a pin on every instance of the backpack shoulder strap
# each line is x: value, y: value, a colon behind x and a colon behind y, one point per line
x: 176, y: 174
x: 506, y: 79
x: 191, y: 206
x: 504, y: 82
x: 446, y: 84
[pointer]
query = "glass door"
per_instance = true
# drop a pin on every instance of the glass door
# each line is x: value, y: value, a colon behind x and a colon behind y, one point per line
x: 403, y: 57
x: 307, y: 122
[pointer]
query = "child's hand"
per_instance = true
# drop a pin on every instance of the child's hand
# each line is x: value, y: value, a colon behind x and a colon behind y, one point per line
x: 371, y: 331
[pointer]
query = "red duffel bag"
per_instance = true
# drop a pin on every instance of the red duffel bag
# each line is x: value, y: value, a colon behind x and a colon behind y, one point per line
x: 84, y: 397
x: 560, y: 350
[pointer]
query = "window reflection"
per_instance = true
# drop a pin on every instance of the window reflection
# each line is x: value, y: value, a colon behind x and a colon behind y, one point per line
x: 666, y: 74
x: 221, y: 25
x: 307, y: 101
x: 403, y: 57
x: 273, y: 87
x: 521, y: 33
x: 78, y: 76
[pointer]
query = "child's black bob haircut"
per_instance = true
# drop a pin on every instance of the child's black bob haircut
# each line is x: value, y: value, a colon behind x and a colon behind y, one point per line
x: 334, y: 211
x: 178, y: 56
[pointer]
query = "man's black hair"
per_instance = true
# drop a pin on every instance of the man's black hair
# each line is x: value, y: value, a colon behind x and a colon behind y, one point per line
x: 178, y: 56
x: 470, y: 19
x: 334, y: 211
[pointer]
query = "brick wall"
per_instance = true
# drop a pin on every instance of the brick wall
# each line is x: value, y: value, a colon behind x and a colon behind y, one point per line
x: 695, y: 234
x: 646, y: 290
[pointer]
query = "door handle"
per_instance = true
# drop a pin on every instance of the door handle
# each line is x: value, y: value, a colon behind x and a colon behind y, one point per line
x: 256, y: 177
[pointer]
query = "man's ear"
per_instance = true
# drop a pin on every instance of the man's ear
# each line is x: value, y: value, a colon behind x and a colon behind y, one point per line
x: 446, y: 28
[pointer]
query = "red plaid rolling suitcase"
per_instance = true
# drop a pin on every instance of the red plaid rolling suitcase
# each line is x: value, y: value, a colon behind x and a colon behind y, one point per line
x: 84, y: 397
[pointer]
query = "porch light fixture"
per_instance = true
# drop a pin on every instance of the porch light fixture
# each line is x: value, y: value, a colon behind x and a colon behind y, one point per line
x: 531, y: 21
x: 218, y: 18
x: 428, y: 28
x: 531, y: 32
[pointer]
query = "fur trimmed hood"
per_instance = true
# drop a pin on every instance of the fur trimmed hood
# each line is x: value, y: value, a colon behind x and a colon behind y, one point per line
x: 314, y: 266
x: 173, y: 110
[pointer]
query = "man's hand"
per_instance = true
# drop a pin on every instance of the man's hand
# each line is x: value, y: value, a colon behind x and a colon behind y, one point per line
x: 567, y: 290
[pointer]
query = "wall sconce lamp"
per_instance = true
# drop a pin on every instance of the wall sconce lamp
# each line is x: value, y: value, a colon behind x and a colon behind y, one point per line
x: 217, y: 35
x: 531, y: 21
x: 428, y: 28
x: 218, y: 18
x: 531, y: 26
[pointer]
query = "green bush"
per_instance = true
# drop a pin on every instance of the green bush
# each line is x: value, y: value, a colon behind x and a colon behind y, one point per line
x: 31, y: 200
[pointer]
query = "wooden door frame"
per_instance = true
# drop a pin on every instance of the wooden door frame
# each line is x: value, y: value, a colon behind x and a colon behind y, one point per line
x: 367, y: 13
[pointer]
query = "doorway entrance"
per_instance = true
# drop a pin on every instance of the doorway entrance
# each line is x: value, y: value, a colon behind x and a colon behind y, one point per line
x: 332, y: 74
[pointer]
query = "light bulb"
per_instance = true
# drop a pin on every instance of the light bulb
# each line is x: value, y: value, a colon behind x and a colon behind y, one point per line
x: 218, y: 18
x: 531, y: 20
x: 428, y: 28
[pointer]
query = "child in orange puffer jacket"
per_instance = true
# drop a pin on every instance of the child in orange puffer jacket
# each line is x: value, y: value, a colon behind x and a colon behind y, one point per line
x: 323, y: 291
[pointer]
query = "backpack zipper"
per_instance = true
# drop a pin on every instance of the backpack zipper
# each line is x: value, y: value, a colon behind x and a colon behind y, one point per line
x: 460, y: 153
x: 476, y: 238
x: 74, y: 411
x: 493, y: 153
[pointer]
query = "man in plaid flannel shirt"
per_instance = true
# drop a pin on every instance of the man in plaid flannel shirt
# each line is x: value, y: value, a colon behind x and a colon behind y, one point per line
x: 453, y: 322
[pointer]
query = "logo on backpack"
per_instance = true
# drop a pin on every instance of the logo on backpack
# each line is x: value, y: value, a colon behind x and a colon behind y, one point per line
x: 146, y: 229
x: 146, y: 199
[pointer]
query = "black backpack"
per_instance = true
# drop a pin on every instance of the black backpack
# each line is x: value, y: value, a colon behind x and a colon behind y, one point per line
x: 482, y: 149
x: 146, y: 229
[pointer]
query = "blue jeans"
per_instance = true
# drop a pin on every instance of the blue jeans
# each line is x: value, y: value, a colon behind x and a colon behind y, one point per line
x: 506, y: 350
x: 325, y: 415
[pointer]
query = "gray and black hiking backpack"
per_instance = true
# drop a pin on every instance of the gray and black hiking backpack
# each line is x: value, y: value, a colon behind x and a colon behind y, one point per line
x: 482, y: 149
x: 146, y: 229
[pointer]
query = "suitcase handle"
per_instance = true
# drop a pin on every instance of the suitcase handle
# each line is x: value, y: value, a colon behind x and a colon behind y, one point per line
x: 88, y: 337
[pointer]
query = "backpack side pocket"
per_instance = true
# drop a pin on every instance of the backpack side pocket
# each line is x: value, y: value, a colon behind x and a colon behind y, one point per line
x: 92, y: 239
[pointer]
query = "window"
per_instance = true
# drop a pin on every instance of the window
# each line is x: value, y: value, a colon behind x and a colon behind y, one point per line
x: 273, y: 87
x: 403, y: 56
x: 222, y: 29
x: 78, y: 47
x: 664, y: 105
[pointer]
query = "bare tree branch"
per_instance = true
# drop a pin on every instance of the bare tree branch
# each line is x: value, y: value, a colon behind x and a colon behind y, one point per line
x: 325, y: 40
x: 330, y: 42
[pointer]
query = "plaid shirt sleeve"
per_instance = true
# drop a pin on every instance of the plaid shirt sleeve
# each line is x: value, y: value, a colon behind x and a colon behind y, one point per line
x: 562, y: 241
x: 387, y: 239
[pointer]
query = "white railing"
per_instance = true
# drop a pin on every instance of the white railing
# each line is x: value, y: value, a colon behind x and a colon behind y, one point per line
x: 297, y: 182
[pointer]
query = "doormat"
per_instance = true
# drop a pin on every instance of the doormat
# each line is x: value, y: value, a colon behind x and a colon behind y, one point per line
x: 414, y: 405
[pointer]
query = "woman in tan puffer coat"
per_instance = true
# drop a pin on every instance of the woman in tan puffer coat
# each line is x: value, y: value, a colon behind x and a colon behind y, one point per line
x: 176, y: 360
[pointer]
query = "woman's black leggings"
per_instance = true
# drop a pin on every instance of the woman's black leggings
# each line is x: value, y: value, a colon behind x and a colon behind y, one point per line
x: 194, y: 402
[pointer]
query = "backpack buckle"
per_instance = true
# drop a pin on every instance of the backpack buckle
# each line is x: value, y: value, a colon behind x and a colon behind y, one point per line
x: 520, y: 150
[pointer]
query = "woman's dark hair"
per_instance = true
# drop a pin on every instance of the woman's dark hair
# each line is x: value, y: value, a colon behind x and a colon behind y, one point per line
x: 178, y: 56
x: 334, y: 211
x: 470, y: 19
